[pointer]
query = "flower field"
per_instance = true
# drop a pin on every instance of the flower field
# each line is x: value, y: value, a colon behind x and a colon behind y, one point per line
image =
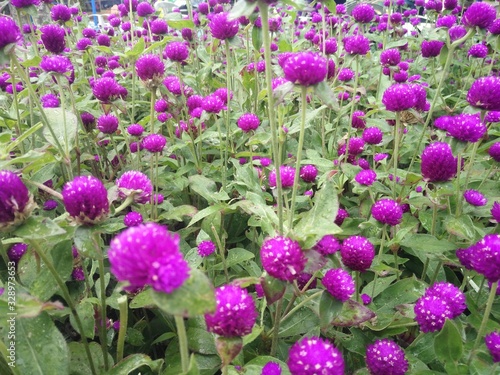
x: 255, y: 187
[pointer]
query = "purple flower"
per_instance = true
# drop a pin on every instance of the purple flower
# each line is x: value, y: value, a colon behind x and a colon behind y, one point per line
x: 56, y: 64
x: 492, y: 116
x: 107, y: 89
x: 53, y: 38
x: 357, y: 253
x: 235, y: 313
x: 390, y: 57
x: 158, y: 26
x: 457, y: 32
x: 86, y: 199
x: 438, y: 163
x: 16, y: 251
x: 339, y: 284
x: 248, y: 122
x: 341, y: 216
x: 135, y: 130
x: 305, y: 68
x: 103, y: 40
x: 431, y: 48
x: 308, y: 173
x: 88, y: 120
x: 60, y: 12
x: 177, y: 51
x: 484, y: 257
x: 345, y: 75
x: 446, y: 21
x: 154, y: 143
x: 431, y: 313
x: 78, y: 274
x: 327, y: 245
x: 213, y: 104
x: 366, y: 177
x: 49, y: 101
x: 135, y: 182
x: 358, y: 121
x: 144, y: 9
x: 24, y: 3
x: 495, y: 27
x: 386, y: 357
x: 363, y: 13
x: 282, y: 258
x: 492, y: 341
x: 287, y: 175
x: 16, y: 202
x: 449, y: 293
x: 387, y: 211
x: 314, y: 355
x: 479, y: 51
x: 108, y: 124
x: 475, y: 198
x: 83, y: 43
x: 222, y: 28
x: 373, y: 136
x: 149, y: 67
x: 148, y: 254
x: 480, y: 15
x: 271, y: 368
x: 9, y: 32
x: 399, y: 97
x: 483, y: 93
x: 366, y: 299
x: 443, y: 122
x: 495, y: 212
x: 50, y: 205
x: 132, y: 219
x: 356, y: 44
x: 331, y: 46
x: 206, y: 248
x: 466, y: 127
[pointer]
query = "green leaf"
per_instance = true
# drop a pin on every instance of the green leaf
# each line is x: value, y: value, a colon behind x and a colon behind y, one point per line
x: 207, y: 189
x: 448, y: 343
x: 427, y: 244
x: 23, y: 136
x: 35, y: 61
x: 353, y: 314
x: 178, y: 213
x: 235, y: 256
x: 326, y: 95
x: 461, y: 227
x: 133, y: 362
x: 65, y: 134
x: 143, y: 299
x: 195, y: 297
x: 85, y: 310
x: 261, y: 214
x: 242, y: 8
x: 319, y: 221
x: 273, y: 289
x: 79, y: 364
x: 304, y: 320
x: 181, y: 24
x: 193, y: 366
x: 257, y: 38
x: 207, y: 211
x: 38, y: 228
x: 85, y: 242
x: 137, y: 49
x: 201, y: 341
x: 329, y: 309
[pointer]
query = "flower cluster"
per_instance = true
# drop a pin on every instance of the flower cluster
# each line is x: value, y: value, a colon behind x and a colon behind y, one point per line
x: 314, y: 355
x: 483, y: 257
x: 282, y: 258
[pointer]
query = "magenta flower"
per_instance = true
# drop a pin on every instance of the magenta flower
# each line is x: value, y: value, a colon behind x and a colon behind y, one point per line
x: 158, y: 26
x: 483, y: 93
x: 248, y: 122
x: 449, y: 293
x: 314, y: 355
x: 483, y: 257
x: 295, y: 70
x: 357, y: 253
x: 149, y: 67
x: 52, y: 37
x: 495, y: 212
x: 399, y: 97
x: 9, y: 32
x: 308, y: 173
x: 49, y: 101
x: 438, y: 163
x: 363, y: 13
x: 385, y: 357
x: 466, y: 127
x: 206, y: 248
x: 475, y: 198
x: 60, y: 12
x: 222, y: 28
x: 479, y: 14
x: 431, y: 313
x: 213, y: 104
x: 339, y: 284
x: 154, y: 143
x: 177, y: 51
x: 16, y: 252
x: 287, y: 175
x: 492, y: 341
x: 16, y: 202
x: 107, y: 89
x: 135, y: 130
x: 479, y: 51
x: 373, y: 136
x: 356, y: 44
x: 144, y: 9
x: 390, y: 57
x: 341, y: 216
x: 108, y: 124
x: 327, y: 245
x: 135, y: 182
x: 366, y: 177
x: 431, y: 48
x: 387, y: 211
x: 282, y: 258
x: 132, y: 219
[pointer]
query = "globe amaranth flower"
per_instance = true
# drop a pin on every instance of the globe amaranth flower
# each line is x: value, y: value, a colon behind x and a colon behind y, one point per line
x: 327, y: 245
x: 83, y: 43
x: 399, y: 97
x: 475, y: 198
x: 60, y: 12
x: 492, y: 341
x: 287, y: 175
x: 177, y: 51
x: 431, y: 48
x: 107, y: 89
x: 466, y: 127
x: 86, y: 200
x: 148, y: 254
x: 149, y: 67
x: 103, y: 40
x: 438, y: 163
x: 358, y: 121
x: 135, y: 129
x: 213, y: 104
x: 356, y: 44
x: 16, y: 252
x: 158, y: 26
x: 339, y: 284
x: 16, y: 203
x: 372, y: 136
x: 385, y: 357
x: 390, y: 57
x: 314, y: 355
x: 494, y: 151
x: 341, y: 216
x: 483, y: 93
x: 483, y: 257
x: 144, y: 9
x: 357, y: 253
x: 345, y: 75
x: 9, y: 32
x: 49, y: 101
x: 363, y: 13
x: 330, y: 46
x: 137, y: 183
x: 494, y: 28
x: 308, y: 173
x: 431, y: 313
x: 446, y: 21
x: 52, y: 37
x: 387, y: 211
x: 222, y: 28
x: 154, y: 143
x: 305, y: 68
x: 451, y: 295
x: 366, y: 177
x: 108, y: 124
x: 206, y: 248
x: 132, y: 219
x: 224, y: 94
x: 248, y: 122
x: 50, y: 205
x: 479, y: 14
x: 282, y: 258
x: 495, y: 212
x: 271, y: 368
x: 479, y: 51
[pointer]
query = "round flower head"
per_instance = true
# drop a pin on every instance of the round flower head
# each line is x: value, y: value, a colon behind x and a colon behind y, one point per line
x: 390, y: 57
x: 495, y: 27
x: 135, y: 181
x: 60, y: 12
x: 451, y: 295
x: 271, y: 368
x: 466, y: 127
x: 16, y: 202
x: 158, y: 26
x: 287, y: 175
x: 358, y: 121
x: 108, y: 124
x: 485, y: 257
x: 86, y: 199
x: 106, y: 89
x: 327, y: 245
x: 386, y: 357
x: 24, y: 3
x: 443, y: 122
x: 308, y: 173
x: 345, y: 75
x: 135, y: 130
x: 366, y: 299
x: 103, y: 40
x: 492, y: 341
x: 9, y: 32
x: 144, y: 9
x: 331, y: 46
x: 480, y: 15
x: 282, y: 258
x: 438, y: 163
x: 177, y: 51
x: 495, y: 212
x: 339, y: 284
x: 314, y: 355
x: 483, y: 93
x: 154, y: 143
x: 479, y: 51
x: 248, y: 122
x: 16, y: 251
x: 132, y: 219
x: 341, y: 216
x: 357, y: 253
x: 431, y: 313
x: 475, y: 198
x: 206, y: 248
x: 50, y: 205
x: 49, y: 101
x: 366, y: 177
x: 56, y: 64
x: 372, y: 136
x: 235, y: 312
x: 431, y: 48
x: 492, y: 116
x: 213, y: 104
x: 494, y: 151
x: 148, y: 254
x: 149, y: 67
x: 222, y: 28
x: 399, y: 97
x: 387, y: 211
x: 363, y: 13
x: 305, y: 68
x: 446, y: 21
x: 356, y: 45
x: 52, y: 37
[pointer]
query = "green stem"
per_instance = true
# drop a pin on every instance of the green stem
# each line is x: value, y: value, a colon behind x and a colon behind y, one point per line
x: 122, y: 332
x: 228, y: 114
x: 395, y: 156
x: 221, y: 252
x: 379, y: 257
x: 277, y: 321
x: 436, y: 273
x: 458, y: 209
x: 102, y: 282
x: 356, y: 273
x: 183, y: 344
x: 471, y: 163
x: 152, y: 110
